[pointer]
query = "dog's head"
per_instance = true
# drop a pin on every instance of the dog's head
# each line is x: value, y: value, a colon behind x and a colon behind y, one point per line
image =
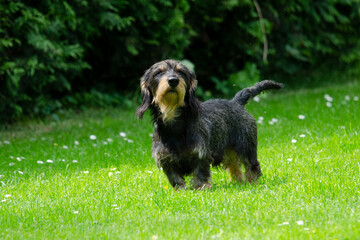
x: 167, y: 85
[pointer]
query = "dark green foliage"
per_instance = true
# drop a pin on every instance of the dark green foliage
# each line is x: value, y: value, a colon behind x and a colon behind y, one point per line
x: 61, y: 54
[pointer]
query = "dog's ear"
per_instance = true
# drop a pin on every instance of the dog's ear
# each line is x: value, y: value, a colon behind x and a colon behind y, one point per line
x: 193, y: 103
x: 145, y: 94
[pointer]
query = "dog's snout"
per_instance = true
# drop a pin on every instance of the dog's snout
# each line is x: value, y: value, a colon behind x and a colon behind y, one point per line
x: 173, y: 81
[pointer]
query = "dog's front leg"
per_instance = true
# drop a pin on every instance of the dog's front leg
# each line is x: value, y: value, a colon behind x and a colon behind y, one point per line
x: 176, y: 180
x: 202, y: 176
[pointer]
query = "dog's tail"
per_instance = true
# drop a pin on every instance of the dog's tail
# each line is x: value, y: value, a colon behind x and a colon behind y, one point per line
x: 246, y: 94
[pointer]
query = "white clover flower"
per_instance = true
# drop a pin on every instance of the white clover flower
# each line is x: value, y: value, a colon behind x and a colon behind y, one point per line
x: 356, y: 98
x: 6, y: 142
x: 274, y: 120
x: 65, y: 147
x: 293, y: 140
x: 300, y: 222
x: 110, y: 174
x: 289, y: 159
x: 109, y: 139
x: 122, y: 134
x: 256, y: 99
x: 302, y: 135
x: 40, y: 162
x: 92, y: 137
x: 328, y: 98
x: 301, y: 117
x: 130, y: 141
x: 19, y: 159
x: 75, y: 161
x: 347, y: 98
x: 86, y: 172
x: 21, y: 172
x: 49, y: 161
x: 328, y: 104
x: 11, y: 164
x: 76, y: 212
x: 105, y: 142
x: 76, y: 142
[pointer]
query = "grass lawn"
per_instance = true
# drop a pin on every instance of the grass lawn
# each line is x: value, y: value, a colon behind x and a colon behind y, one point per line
x: 58, y: 183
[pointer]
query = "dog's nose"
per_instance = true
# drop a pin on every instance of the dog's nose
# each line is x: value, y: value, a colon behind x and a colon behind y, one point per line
x: 173, y: 81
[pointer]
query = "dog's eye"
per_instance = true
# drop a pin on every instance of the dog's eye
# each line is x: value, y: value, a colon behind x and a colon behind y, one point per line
x: 157, y: 73
x: 182, y: 73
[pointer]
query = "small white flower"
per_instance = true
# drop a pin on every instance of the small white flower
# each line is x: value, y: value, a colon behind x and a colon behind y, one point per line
x: 105, y: 143
x: 293, y: 140
x: 76, y: 142
x: 347, y: 98
x: 261, y: 118
x: 109, y: 139
x: 300, y: 222
x: 12, y: 157
x: 11, y: 164
x: 271, y: 122
x: 130, y: 141
x: 49, y: 161
x: 356, y: 98
x: 7, y: 195
x: 328, y: 104
x: 285, y: 223
x: 22, y: 157
x: 75, y: 161
x: 301, y: 117
x: 151, y: 135
x: 76, y: 212
x: 114, y: 205
x: 92, y: 137
x: 4, y: 200
x: 94, y: 145
x: 149, y: 172
x: 19, y: 159
x: 65, y: 147
x: 328, y: 98
x: 113, y: 169
x: 302, y: 135
x: 256, y: 99
x: 110, y: 174
x: 40, y: 162
x: 1, y: 176
x: 275, y: 120
x: 6, y: 142
x: 20, y: 172
x: 86, y: 172
x: 117, y: 172
x: 289, y: 159
x: 122, y: 134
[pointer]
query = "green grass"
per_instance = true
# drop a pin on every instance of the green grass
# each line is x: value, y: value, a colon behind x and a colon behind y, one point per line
x: 309, y: 189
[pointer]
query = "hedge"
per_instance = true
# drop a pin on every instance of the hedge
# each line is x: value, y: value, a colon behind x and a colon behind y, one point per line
x: 60, y: 54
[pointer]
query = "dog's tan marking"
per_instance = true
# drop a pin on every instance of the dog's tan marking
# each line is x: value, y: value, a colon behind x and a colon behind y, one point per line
x: 168, y: 99
x: 232, y: 162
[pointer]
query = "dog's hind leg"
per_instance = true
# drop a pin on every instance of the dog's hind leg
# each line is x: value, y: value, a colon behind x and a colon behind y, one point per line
x: 252, y: 167
x: 232, y: 162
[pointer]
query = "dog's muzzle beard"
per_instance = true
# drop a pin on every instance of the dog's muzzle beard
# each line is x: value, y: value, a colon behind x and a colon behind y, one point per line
x: 169, y: 96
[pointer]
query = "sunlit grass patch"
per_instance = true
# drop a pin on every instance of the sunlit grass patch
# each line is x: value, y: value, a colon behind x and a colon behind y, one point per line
x: 92, y: 176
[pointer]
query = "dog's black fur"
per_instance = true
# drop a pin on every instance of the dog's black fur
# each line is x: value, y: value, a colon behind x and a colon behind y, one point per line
x: 202, y: 133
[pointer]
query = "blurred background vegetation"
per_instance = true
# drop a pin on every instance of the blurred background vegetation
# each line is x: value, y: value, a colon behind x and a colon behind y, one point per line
x: 79, y: 53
